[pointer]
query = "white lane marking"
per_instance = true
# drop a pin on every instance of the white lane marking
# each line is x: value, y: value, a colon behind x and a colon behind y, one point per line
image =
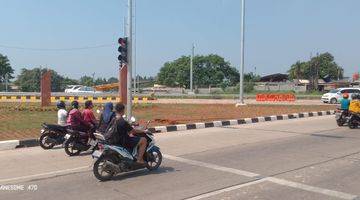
x: 211, y: 166
x: 309, y: 188
x: 53, y: 173
x: 301, y: 186
x: 228, y: 189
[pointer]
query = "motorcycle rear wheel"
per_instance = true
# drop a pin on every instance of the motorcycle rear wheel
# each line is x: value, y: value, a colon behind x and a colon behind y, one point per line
x: 69, y: 148
x: 98, y: 169
x: 44, y: 143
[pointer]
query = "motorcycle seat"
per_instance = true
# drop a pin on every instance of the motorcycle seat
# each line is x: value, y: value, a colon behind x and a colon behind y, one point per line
x: 72, y: 131
x: 56, y: 127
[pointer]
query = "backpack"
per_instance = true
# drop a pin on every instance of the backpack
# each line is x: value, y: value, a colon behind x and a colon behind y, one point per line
x: 111, y: 133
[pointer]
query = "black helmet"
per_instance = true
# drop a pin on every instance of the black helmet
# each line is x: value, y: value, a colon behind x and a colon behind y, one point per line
x: 60, y: 105
x: 75, y: 104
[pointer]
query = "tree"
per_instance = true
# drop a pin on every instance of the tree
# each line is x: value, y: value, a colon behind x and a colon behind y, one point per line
x: 321, y: 66
x: 112, y: 80
x: 29, y: 80
x: 6, y: 71
x: 100, y: 81
x: 87, y: 81
x: 208, y: 70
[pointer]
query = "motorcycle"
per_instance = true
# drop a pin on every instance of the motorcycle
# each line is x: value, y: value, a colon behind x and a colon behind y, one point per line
x: 52, y: 135
x: 77, y: 141
x: 111, y: 160
x: 342, y: 117
x: 354, y: 120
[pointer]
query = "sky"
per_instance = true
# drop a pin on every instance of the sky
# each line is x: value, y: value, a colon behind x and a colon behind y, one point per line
x: 278, y: 33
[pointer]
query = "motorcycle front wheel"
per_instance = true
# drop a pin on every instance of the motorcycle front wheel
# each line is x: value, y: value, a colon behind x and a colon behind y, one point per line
x: 340, y: 123
x: 154, y: 160
x: 69, y: 148
x: 45, y: 142
x: 101, y: 171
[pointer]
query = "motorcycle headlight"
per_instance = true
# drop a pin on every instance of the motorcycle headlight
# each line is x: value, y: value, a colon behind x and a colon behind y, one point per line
x: 42, y: 131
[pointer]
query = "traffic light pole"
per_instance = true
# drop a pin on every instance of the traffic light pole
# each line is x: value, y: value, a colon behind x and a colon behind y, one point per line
x: 129, y: 64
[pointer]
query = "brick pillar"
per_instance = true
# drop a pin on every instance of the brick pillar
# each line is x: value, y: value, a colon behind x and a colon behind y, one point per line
x: 123, y: 84
x: 46, y: 89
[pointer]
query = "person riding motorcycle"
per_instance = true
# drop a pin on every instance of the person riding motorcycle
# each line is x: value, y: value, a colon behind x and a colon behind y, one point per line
x: 88, y: 114
x: 128, y: 135
x: 106, y: 116
x: 75, y: 119
x: 355, y: 104
x: 62, y: 113
x: 345, y: 102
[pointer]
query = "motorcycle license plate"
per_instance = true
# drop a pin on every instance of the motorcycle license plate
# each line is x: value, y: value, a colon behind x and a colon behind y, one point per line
x: 67, y: 136
x: 96, y: 154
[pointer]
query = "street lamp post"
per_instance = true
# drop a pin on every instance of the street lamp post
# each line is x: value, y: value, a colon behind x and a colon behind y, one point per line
x: 241, y: 97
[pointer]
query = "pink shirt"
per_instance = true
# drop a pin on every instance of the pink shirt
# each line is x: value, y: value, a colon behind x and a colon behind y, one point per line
x: 89, y: 117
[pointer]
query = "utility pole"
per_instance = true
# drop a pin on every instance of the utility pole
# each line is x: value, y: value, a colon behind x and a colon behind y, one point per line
x: 191, y: 68
x: 241, y: 97
x: 129, y: 64
x: 6, y: 82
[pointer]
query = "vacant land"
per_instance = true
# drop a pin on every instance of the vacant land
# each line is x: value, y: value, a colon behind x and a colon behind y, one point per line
x: 21, y: 121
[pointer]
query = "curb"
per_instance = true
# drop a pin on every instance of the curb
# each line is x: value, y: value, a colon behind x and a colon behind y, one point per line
x: 12, y: 144
x: 184, y: 127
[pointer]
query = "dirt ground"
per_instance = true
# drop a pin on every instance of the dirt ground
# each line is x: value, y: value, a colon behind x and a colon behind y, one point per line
x: 26, y: 122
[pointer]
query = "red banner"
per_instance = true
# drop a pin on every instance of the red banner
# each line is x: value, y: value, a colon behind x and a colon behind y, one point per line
x: 275, y: 97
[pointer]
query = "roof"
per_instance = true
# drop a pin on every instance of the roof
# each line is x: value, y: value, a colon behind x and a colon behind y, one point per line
x: 275, y: 78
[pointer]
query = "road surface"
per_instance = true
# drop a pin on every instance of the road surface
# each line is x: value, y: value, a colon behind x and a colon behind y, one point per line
x: 295, y: 159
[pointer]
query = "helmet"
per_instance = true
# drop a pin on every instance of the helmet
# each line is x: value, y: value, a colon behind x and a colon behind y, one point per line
x: 60, y: 105
x: 345, y: 95
x: 75, y: 104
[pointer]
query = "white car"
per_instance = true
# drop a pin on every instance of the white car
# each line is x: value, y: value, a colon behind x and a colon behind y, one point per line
x: 72, y: 88
x: 80, y: 89
x: 335, y: 95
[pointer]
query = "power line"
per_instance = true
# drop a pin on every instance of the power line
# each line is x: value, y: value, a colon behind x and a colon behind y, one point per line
x: 58, y: 49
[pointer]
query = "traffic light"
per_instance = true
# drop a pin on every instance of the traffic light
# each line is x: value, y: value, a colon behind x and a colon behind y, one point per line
x: 123, y: 50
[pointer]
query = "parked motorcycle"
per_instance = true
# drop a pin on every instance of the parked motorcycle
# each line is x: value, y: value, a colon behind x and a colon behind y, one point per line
x: 77, y: 142
x: 354, y: 120
x: 52, y: 135
x: 342, y: 117
x: 111, y: 160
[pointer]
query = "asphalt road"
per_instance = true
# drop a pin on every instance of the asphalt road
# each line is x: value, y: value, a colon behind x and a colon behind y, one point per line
x: 296, y: 159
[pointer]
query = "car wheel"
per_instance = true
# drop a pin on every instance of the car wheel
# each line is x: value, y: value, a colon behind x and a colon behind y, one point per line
x: 333, y: 101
